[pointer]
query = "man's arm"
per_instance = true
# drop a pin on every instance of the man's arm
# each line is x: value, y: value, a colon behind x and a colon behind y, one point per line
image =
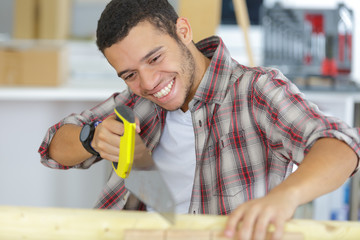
x: 66, y: 148
x: 328, y: 164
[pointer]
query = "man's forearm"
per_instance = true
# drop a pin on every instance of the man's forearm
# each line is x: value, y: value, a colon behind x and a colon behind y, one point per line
x: 329, y: 163
x: 66, y: 148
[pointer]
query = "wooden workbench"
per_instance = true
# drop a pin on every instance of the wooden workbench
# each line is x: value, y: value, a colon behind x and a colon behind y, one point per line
x: 57, y: 223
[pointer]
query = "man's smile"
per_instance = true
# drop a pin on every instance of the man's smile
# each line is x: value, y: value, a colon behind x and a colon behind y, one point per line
x: 165, y: 91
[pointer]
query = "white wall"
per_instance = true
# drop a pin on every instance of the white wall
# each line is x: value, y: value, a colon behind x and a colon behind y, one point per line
x: 26, y: 182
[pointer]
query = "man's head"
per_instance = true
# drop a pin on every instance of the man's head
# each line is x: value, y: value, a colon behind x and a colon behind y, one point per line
x: 151, y: 49
x: 120, y: 16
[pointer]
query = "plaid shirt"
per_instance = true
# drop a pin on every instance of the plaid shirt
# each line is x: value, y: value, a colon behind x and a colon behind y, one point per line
x: 251, y: 125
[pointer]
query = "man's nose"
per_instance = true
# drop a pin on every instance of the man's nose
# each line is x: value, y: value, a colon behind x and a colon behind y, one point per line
x: 149, y: 79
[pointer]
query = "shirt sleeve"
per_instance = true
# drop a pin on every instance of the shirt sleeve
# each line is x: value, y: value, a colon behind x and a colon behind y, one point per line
x: 97, y: 113
x: 291, y: 123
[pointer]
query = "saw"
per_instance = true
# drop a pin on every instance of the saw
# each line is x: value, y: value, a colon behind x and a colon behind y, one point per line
x: 137, y: 167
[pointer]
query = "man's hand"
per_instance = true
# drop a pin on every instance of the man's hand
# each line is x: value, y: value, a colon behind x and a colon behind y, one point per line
x: 107, y: 138
x: 254, y: 217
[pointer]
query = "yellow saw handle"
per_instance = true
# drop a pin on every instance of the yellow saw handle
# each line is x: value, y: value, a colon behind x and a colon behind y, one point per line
x: 127, y: 141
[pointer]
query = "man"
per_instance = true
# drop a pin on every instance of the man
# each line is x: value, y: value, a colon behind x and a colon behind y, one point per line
x: 237, y: 130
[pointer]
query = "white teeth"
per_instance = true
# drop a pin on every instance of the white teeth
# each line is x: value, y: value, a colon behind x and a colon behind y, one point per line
x: 165, y: 91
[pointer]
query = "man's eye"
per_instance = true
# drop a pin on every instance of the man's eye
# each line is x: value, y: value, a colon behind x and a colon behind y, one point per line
x: 155, y: 59
x: 130, y: 76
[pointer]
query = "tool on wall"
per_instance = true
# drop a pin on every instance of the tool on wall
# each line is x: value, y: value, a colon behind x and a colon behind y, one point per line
x: 345, y: 31
x: 309, y: 42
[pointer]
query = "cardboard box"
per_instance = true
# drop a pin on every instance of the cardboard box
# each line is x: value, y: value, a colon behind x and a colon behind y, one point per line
x: 35, y: 64
x: 42, y: 19
x: 54, y: 19
x: 204, y: 16
x: 2, y: 65
x: 10, y: 62
x: 25, y: 19
x: 44, y: 65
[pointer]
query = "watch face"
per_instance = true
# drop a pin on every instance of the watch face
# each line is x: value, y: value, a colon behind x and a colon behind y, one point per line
x: 85, y: 131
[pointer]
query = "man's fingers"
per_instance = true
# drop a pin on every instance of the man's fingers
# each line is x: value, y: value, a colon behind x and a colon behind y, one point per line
x: 108, y: 151
x: 232, y: 222
x: 114, y: 126
x: 103, y: 137
x: 247, y: 226
x: 137, y: 121
x: 247, y: 219
x: 257, y: 215
x: 107, y: 138
x: 279, y: 229
x: 261, y: 226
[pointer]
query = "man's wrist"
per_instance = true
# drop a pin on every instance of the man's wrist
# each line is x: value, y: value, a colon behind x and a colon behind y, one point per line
x: 87, y: 135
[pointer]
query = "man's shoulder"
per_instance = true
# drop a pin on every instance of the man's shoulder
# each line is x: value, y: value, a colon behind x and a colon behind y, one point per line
x: 242, y: 72
x: 244, y: 79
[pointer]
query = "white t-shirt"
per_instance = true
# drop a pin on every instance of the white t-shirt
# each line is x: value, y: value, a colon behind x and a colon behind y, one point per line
x: 175, y: 157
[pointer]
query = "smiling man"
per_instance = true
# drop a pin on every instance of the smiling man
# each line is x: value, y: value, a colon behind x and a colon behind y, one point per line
x: 157, y: 67
x: 225, y: 136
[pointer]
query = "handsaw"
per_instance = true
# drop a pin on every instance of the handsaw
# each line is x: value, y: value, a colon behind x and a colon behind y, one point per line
x: 137, y: 167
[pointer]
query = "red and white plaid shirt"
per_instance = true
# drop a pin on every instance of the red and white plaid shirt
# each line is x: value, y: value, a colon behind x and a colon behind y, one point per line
x: 251, y: 125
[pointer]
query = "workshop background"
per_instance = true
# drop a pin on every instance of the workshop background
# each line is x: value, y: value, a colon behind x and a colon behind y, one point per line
x: 50, y: 67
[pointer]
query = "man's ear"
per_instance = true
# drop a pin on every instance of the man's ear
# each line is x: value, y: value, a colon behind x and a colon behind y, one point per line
x: 183, y: 30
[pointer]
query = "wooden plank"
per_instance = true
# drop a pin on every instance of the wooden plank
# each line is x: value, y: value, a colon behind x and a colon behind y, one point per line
x: 148, y: 234
x: 56, y: 223
x: 131, y: 234
x: 288, y: 236
x: 188, y: 234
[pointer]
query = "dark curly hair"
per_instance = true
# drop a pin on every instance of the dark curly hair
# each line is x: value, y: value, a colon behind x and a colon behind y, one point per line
x: 120, y: 16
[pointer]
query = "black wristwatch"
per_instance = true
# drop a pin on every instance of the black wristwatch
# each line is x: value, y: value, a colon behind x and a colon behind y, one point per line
x: 86, y: 136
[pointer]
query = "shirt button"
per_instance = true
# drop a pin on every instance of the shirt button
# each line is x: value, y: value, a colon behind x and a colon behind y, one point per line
x: 200, y: 123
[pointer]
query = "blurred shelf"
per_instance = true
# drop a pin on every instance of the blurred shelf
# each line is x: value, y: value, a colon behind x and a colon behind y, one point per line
x: 91, y: 91
x: 53, y: 94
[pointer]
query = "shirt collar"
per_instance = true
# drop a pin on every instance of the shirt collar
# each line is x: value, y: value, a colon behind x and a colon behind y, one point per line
x: 216, y: 79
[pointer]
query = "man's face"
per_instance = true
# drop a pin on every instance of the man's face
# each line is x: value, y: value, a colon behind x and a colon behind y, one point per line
x: 154, y: 66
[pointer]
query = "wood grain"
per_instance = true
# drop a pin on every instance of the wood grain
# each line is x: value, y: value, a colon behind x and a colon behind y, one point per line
x: 61, y: 223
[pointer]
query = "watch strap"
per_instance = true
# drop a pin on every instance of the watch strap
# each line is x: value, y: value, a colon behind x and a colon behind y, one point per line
x: 87, y: 142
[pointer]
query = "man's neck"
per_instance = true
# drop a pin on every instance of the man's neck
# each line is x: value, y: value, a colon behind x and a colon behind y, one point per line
x: 201, y: 65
